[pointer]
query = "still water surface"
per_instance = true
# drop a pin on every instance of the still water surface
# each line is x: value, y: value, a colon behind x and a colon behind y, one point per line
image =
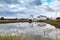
x: 34, y: 30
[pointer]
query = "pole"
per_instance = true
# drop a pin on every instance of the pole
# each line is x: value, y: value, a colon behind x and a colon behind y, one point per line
x: 56, y: 15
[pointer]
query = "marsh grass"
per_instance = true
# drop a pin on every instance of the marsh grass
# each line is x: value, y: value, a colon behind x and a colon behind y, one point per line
x: 55, y: 23
x: 13, y: 38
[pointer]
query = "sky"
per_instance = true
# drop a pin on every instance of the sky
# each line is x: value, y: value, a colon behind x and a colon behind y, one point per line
x: 25, y: 8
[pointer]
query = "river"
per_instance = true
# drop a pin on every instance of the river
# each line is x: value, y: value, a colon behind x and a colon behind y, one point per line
x: 34, y: 30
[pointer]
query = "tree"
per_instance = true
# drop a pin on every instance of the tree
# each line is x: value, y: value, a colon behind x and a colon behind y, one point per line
x: 58, y: 18
x: 2, y: 18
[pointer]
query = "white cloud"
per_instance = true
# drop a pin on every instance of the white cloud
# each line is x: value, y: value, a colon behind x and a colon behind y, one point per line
x: 13, y: 10
x: 55, y: 5
x: 21, y: 8
x: 11, y: 6
x: 22, y: 16
x: 31, y: 9
x: 1, y: 5
x: 21, y: 1
x: 8, y: 17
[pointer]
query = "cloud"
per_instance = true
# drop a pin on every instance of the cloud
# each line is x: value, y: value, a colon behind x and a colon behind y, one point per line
x: 28, y: 7
x: 9, y: 1
x: 36, y: 2
x: 52, y: 6
x: 55, y: 5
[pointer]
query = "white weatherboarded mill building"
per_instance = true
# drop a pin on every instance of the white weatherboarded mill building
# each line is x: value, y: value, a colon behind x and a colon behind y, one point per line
x: 40, y: 18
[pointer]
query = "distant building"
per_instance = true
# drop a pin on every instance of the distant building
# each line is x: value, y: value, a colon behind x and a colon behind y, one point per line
x: 41, y: 17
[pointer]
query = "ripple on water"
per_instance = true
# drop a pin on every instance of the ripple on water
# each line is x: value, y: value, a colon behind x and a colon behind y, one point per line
x: 32, y: 30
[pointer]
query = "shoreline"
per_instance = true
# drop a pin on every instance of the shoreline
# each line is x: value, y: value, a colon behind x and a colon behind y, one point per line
x: 55, y: 23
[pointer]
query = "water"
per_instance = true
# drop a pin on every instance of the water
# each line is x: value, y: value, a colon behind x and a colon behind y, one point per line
x: 34, y: 30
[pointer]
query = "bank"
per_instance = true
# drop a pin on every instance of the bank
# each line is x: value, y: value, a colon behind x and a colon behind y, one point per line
x: 55, y: 23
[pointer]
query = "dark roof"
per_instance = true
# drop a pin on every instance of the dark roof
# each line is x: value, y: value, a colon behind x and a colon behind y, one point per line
x: 41, y: 16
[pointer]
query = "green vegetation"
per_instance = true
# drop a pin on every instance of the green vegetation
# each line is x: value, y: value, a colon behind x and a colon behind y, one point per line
x: 2, y: 18
x: 55, y: 23
x: 14, y: 21
x: 9, y: 38
x: 13, y: 38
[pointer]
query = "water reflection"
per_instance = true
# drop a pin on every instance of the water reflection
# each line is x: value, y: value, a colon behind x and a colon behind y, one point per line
x: 34, y: 31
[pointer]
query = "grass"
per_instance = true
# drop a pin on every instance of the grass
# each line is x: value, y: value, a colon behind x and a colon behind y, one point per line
x: 13, y: 38
x: 13, y: 21
x: 55, y: 23
x: 9, y: 38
